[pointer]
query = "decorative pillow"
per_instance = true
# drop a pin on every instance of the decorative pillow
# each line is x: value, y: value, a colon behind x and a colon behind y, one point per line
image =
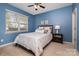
x: 45, y: 31
x: 48, y: 29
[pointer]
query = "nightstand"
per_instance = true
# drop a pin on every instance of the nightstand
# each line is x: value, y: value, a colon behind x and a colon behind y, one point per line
x: 58, y: 38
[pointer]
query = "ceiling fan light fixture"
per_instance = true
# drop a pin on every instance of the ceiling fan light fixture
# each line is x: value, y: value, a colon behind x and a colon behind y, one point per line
x: 36, y: 6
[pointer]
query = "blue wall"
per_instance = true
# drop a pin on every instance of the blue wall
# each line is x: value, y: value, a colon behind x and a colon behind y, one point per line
x: 10, y: 37
x: 77, y: 6
x: 62, y: 17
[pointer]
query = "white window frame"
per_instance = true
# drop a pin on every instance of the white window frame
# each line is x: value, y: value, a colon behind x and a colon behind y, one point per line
x: 18, y: 23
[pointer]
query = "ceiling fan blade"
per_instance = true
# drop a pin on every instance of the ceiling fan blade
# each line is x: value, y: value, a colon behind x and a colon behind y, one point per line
x: 30, y: 5
x: 41, y: 6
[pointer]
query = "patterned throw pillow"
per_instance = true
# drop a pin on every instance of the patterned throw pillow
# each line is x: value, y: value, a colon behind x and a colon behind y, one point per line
x: 45, y: 31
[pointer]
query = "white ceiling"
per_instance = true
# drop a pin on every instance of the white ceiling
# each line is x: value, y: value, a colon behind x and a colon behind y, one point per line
x: 31, y: 10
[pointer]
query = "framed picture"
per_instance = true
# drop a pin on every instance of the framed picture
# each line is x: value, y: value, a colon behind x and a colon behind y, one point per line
x: 42, y: 22
x: 46, y: 22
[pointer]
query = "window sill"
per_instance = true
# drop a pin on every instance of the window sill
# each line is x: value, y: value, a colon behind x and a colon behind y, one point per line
x: 14, y: 32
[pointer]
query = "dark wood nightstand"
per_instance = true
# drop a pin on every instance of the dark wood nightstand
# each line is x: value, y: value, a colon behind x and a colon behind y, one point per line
x: 58, y: 38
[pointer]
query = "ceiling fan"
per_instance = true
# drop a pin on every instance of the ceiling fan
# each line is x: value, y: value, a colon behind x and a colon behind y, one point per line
x: 36, y: 6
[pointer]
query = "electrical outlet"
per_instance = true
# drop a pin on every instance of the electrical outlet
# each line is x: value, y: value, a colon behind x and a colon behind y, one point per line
x: 2, y: 40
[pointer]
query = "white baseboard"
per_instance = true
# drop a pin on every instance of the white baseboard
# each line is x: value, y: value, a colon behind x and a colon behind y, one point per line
x: 6, y: 44
x: 67, y: 42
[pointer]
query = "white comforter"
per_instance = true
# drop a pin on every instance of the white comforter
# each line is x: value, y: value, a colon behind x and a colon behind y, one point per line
x: 34, y: 41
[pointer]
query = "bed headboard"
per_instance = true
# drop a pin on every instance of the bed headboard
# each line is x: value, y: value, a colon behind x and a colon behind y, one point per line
x: 51, y: 26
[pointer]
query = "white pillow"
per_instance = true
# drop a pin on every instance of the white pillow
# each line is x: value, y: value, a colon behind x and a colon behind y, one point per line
x: 41, y: 27
x: 46, y: 28
x: 39, y: 30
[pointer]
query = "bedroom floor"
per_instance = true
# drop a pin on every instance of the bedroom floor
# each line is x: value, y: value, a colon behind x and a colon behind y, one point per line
x: 53, y: 49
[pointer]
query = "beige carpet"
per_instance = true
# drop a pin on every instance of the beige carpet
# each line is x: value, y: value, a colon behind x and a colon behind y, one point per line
x: 53, y: 49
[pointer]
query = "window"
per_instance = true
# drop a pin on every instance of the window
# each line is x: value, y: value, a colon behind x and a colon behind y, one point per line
x: 16, y: 22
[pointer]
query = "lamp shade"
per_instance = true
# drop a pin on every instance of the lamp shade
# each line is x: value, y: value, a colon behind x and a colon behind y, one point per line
x: 57, y: 27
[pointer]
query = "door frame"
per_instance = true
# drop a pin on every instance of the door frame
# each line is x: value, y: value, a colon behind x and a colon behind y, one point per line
x: 74, y: 11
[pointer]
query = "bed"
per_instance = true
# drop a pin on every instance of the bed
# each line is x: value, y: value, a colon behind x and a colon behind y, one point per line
x: 35, y: 41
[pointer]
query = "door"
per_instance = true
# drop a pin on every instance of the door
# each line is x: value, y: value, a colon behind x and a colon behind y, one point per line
x: 74, y: 28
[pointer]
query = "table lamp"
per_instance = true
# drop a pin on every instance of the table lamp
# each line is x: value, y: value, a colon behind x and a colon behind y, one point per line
x: 57, y: 27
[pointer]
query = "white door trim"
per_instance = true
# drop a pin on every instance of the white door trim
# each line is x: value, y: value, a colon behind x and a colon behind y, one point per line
x: 74, y: 30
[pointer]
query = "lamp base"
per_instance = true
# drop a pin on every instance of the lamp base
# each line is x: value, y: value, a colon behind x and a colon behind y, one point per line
x: 57, y: 32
